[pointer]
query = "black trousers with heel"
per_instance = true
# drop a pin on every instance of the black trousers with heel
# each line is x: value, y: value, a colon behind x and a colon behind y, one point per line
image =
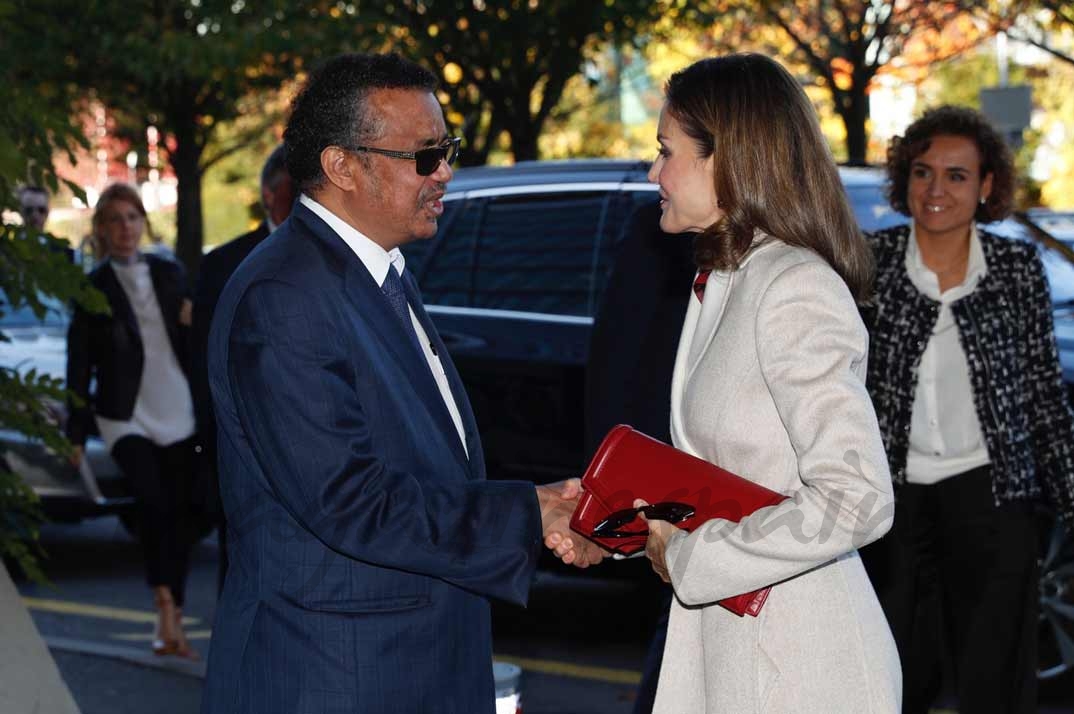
x: 161, y: 478
x: 958, y: 573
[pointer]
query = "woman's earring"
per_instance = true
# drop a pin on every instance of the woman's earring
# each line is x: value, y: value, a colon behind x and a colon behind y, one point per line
x: 982, y: 201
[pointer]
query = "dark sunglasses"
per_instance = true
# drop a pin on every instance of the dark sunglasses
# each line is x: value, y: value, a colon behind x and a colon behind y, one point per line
x: 670, y: 511
x: 426, y: 160
x: 34, y: 209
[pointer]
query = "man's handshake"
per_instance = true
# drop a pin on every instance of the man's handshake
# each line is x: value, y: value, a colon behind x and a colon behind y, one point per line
x: 557, y: 502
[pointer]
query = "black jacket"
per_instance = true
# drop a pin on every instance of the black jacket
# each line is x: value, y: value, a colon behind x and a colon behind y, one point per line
x: 1005, y: 327
x: 108, y: 348
x: 216, y: 269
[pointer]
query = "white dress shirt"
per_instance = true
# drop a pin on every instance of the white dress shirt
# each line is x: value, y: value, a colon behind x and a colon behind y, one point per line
x: 945, y: 434
x: 378, y: 261
x: 164, y: 409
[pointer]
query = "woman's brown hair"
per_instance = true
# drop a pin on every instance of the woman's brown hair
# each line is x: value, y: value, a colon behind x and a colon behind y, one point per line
x: 119, y: 192
x: 773, y: 170
x: 948, y: 120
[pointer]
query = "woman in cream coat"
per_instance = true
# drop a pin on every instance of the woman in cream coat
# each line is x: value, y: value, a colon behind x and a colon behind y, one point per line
x: 769, y: 383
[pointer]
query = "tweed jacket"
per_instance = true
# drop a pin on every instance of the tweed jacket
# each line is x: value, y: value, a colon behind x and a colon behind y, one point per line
x: 1005, y: 327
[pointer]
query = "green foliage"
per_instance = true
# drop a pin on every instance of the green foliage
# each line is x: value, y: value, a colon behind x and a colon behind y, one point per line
x: 37, y: 122
x: 506, y: 65
x: 20, y: 521
x: 188, y: 68
x: 1041, y: 23
x: 231, y: 193
x: 843, y: 44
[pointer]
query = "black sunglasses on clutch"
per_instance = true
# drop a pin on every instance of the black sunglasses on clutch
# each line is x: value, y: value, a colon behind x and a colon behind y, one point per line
x: 670, y: 511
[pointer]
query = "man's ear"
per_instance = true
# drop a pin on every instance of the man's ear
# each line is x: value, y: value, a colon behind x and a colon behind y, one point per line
x: 338, y: 167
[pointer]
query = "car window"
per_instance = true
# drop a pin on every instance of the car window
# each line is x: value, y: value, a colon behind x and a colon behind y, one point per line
x: 548, y: 252
x: 617, y: 227
x: 1060, y: 224
x: 1059, y: 270
x: 25, y: 317
x: 538, y: 252
x: 871, y: 207
x: 1060, y: 276
x: 443, y: 265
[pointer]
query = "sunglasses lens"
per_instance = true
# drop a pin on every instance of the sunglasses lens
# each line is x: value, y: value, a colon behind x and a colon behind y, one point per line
x: 452, y: 149
x: 670, y: 511
x: 427, y: 160
x: 614, y: 521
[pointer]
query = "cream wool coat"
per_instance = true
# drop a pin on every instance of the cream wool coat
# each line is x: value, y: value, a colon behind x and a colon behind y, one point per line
x: 769, y: 383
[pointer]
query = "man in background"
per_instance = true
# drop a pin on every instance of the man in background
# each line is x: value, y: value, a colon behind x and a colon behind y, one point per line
x: 33, y: 207
x: 277, y: 197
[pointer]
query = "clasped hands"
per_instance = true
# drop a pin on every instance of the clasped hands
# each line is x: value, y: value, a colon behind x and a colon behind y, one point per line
x: 557, y: 503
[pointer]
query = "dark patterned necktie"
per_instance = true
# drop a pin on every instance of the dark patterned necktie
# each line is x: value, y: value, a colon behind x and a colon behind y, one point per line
x: 393, y: 290
x: 699, y: 284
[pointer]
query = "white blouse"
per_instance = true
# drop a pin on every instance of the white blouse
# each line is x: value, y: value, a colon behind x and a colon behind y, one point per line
x: 945, y: 434
x: 164, y: 409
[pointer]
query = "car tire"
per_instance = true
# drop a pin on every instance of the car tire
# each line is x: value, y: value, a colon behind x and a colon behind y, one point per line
x: 1055, y: 651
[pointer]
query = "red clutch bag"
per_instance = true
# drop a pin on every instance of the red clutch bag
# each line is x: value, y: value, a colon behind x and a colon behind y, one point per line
x: 685, y: 489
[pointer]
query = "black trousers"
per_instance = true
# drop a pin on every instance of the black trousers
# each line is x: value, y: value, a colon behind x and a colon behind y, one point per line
x: 958, y: 573
x: 161, y: 478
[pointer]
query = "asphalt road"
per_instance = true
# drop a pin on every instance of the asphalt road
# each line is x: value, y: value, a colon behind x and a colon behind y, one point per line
x: 580, y: 642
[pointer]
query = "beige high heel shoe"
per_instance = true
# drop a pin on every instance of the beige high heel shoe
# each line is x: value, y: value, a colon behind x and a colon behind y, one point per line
x: 164, y: 637
x: 182, y: 645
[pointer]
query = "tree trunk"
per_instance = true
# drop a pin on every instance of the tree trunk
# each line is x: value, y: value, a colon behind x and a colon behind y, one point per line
x: 479, y: 140
x: 853, y: 108
x: 186, y: 162
x: 524, y: 139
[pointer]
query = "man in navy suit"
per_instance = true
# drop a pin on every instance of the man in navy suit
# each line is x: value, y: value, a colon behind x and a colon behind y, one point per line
x: 277, y: 195
x: 365, y: 540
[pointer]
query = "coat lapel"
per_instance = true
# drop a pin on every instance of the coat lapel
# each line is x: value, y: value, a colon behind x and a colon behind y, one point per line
x: 678, y: 374
x: 708, y: 321
x: 458, y: 390
x: 165, y: 294
x: 372, y: 304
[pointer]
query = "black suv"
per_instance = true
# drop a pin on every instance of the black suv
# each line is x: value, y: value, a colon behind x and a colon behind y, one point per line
x: 513, y: 280
x: 515, y: 276
x: 517, y: 270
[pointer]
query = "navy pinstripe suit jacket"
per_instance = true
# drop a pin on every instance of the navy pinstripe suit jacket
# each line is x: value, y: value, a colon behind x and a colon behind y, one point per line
x: 365, y: 542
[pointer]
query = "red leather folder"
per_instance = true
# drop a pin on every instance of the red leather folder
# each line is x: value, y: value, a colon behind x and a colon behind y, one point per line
x: 630, y: 465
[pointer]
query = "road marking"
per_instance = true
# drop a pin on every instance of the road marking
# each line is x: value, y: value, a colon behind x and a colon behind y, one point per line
x: 67, y: 607
x: 541, y: 666
x: 147, y: 636
x: 577, y: 671
x: 139, y: 656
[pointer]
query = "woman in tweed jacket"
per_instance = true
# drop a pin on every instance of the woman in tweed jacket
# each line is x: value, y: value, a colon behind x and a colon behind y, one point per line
x: 965, y: 377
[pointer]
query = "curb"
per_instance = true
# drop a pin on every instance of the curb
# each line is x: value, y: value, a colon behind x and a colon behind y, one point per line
x: 130, y: 655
